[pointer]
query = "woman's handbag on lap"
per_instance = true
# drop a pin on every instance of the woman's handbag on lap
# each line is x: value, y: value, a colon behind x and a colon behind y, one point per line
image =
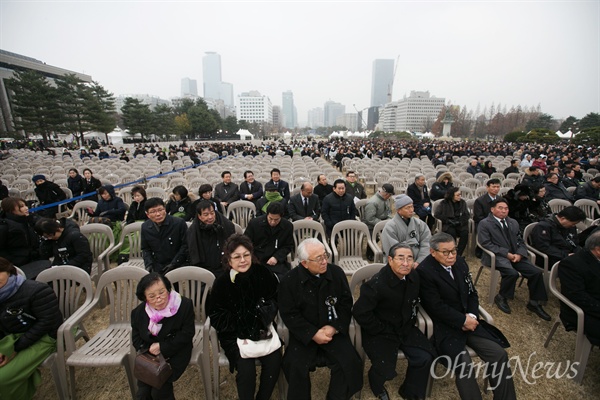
x: 152, y: 370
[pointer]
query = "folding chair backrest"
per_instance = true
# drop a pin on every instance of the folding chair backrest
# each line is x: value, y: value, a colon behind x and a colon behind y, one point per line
x: 120, y: 285
x: 194, y: 283
x: 72, y: 286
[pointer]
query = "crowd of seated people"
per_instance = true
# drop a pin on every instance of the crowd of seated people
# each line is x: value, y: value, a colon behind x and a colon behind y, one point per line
x: 168, y: 243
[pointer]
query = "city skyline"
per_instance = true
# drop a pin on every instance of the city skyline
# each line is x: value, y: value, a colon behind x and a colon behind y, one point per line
x: 472, y: 54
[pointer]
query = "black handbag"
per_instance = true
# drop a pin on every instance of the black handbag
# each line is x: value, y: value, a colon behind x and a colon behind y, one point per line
x: 152, y: 370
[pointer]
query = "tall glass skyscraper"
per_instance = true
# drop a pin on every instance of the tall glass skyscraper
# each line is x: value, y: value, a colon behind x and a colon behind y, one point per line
x: 382, y: 82
x: 288, y: 109
x: 214, y: 87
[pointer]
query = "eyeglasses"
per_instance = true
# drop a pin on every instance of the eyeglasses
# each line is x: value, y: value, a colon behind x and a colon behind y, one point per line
x: 238, y: 257
x: 323, y: 257
x: 160, y: 293
x: 156, y: 211
x: 446, y: 253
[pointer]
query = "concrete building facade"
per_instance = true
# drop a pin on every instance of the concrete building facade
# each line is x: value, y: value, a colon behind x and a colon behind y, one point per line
x: 213, y: 85
x: 382, y: 82
x: 332, y: 110
x: 288, y: 109
x: 189, y: 87
x: 412, y: 113
x: 315, y: 118
x: 254, y: 107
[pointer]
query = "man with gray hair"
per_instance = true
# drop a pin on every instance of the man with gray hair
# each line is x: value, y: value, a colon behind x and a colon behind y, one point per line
x: 403, y: 228
x: 580, y: 282
x: 420, y: 196
x: 449, y: 296
x: 315, y: 304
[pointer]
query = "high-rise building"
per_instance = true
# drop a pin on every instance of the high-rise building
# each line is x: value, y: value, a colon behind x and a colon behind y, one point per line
x: 411, y: 114
x: 189, y: 87
x: 332, y: 110
x: 288, y: 109
x: 277, y: 117
x: 349, y: 120
x: 382, y: 82
x: 152, y: 101
x: 315, y: 118
x: 254, y: 107
x: 213, y: 85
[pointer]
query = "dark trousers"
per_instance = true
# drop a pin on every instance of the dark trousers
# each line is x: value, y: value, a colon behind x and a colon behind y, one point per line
x: 383, y: 368
x: 462, y: 235
x: 534, y: 276
x: 495, y: 356
x: 299, y: 380
x: 246, y: 376
x: 147, y: 392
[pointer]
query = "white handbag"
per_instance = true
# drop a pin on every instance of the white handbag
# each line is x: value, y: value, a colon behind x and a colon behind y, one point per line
x: 259, y: 348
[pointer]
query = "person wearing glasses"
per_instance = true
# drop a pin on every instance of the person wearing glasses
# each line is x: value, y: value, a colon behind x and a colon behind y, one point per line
x: 29, y: 320
x: 386, y: 311
x: 162, y: 323
x: 242, y: 305
x: 315, y: 304
x: 163, y: 238
x: 353, y: 187
x: 500, y: 234
x: 273, y: 238
x: 449, y: 296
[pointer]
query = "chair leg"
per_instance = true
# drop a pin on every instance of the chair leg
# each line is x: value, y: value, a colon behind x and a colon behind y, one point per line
x: 478, y: 274
x: 204, y: 366
x: 72, y: 382
x: 129, y: 364
x: 584, y: 353
x: 282, y: 386
x: 494, y: 279
x: 551, y: 334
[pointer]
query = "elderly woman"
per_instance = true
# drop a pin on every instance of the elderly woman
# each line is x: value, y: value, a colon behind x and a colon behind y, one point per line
x: 233, y: 307
x: 180, y: 204
x: 29, y: 319
x: 64, y: 241
x: 454, y: 214
x: 441, y: 186
x: 162, y: 323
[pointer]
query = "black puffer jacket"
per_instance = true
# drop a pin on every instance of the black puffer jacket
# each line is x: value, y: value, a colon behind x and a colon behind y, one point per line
x: 136, y: 212
x: 18, y: 241
x: 40, y: 314
x: 114, y: 209
x: 71, y: 248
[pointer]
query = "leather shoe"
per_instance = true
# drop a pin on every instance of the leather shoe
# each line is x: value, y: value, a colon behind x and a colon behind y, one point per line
x: 539, y: 311
x: 383, y: 395
x: 404, y: 396
x: 502, y: 304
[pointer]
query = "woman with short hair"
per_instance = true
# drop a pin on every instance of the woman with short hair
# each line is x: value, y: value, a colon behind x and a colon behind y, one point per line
x: 454, y: 214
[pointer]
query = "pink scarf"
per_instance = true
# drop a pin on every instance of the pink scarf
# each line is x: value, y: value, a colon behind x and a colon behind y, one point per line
x: 157, y: 315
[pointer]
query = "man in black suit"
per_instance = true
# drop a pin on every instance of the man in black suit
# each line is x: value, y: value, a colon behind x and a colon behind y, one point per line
x: 449, y: 297
x: 323, y: 188
x: 304, y: 205
x: 419, y: 194
x: 282, y: 186
x: 386, y: 311
x: 481, y: 207
x: 580, y: 282
x: 250, y: 190
x: 226, y: 192
x: 500, y: 234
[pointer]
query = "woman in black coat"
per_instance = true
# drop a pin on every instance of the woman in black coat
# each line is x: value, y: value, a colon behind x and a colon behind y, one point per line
x: 90, y: 184
x: 136, y: 208
x: 162, y: 323
x: 110, y: 205
x: 454, y: 214
x: 29, y: 319
x: 232, y: 307
x: 65, y: 242
x: 180, y: 204
x: 19, y: 243
x: 75, y: 182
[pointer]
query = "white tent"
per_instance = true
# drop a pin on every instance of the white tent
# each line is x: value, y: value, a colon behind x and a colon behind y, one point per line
x: 428, y: 135
x: 117, y: 135
x: 245, y: 134
x: 287, y: 135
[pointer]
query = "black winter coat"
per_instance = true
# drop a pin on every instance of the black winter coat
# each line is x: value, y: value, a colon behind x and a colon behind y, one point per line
x: 335, y: 209
x: 114, y: 209
x: 175, y: 336
x: 205, y: 243
x: 136, y: 212
x: 19, y: 243
x: 40, y: 314
x: 76, y: 184
x: 231, y: 307
x: 71, y: 248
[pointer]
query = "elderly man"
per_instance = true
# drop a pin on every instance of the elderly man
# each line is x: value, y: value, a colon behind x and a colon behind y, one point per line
x: 500, y: 234
x: 580, y: 283
x: 226, y: 192
x: 450, y: 298
x: 163, y: 238
x: 315, y: 304
x: 337, y: 206
x: 420, y: 196
x: 378, y: 208
x: 474, y: 167
x: 405, y: 229
x: 206, y: 237
x: 589, y: 190
x: 272, y: 237
x: 251, y: 189
x: 386, y: 311
x: 354, y: 188
x: 323, y: 188
x: 304, y: 205
x: 555, y: 189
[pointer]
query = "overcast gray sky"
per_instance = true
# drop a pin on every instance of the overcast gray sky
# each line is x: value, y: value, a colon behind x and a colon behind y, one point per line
x: 477, y: 52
